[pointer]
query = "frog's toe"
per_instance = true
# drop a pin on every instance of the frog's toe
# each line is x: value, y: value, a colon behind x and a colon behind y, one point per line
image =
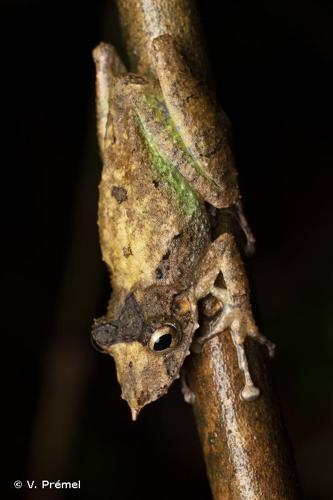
x: 189, y: 397
x: 188, y: 394
x: 250, y: 247
x: 254, y: 333
x: 271, y: 349
x: 250, y: 392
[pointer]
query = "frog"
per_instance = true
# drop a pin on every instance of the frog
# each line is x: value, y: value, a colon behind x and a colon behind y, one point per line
x: 167, y: 168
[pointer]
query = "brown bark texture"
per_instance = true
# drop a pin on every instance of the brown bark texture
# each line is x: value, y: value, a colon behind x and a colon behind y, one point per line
x: 245, y: 446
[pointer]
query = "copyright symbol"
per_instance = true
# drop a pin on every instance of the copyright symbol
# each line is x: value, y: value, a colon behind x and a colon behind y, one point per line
x: 18, y: 484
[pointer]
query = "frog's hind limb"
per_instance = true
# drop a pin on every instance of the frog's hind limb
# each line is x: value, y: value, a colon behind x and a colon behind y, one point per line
x: 108, y: 65
x: 223, y: 256
x: 201, y: 123
x: 204, y: 129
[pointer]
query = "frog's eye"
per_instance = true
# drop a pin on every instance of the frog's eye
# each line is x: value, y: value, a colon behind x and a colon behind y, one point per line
x: 163, y: 338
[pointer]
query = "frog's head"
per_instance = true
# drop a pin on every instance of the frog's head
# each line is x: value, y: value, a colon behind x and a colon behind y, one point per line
x: 149, y: 342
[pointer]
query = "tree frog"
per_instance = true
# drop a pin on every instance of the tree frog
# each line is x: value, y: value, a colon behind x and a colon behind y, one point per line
x: 167, y: 167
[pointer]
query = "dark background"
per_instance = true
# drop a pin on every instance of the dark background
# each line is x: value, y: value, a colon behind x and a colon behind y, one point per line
x: 62, y: 414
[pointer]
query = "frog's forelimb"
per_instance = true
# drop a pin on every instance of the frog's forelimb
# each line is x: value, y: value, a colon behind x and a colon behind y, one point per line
x: 223, y: 256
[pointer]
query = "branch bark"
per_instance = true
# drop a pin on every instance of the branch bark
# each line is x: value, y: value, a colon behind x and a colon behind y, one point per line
x: 245, y: 446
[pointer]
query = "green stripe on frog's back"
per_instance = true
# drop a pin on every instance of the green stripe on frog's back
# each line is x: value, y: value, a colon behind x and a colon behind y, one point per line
x: 156, y: 104
x: 178, y: 185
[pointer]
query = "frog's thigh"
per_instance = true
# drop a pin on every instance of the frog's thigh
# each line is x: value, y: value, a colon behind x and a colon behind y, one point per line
x: 222, y: 256
x: 108, y: 64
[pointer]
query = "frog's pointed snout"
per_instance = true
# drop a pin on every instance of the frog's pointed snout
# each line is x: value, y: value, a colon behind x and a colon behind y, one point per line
x: 142, y: 374
x: 131, y: 399
x: 129, y: 395
x: 135, y: 413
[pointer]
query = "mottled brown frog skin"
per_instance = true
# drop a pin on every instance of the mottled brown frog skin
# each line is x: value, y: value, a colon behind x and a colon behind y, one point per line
x: 162, y: 168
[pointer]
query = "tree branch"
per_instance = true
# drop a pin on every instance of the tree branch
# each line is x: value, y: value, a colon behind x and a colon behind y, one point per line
x: 245, y: 447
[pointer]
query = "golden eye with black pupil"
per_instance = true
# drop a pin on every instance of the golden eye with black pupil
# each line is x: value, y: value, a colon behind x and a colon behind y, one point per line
x: 163, y: 338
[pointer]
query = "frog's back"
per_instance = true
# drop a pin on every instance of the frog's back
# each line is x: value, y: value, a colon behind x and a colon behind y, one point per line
x: 144, y: 204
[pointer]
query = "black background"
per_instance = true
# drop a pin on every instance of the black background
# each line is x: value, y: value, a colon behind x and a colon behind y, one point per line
x: 62, y: 414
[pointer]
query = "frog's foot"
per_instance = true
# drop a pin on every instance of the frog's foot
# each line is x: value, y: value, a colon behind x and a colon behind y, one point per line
x: 236, y: 317
x: 188, y: 394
